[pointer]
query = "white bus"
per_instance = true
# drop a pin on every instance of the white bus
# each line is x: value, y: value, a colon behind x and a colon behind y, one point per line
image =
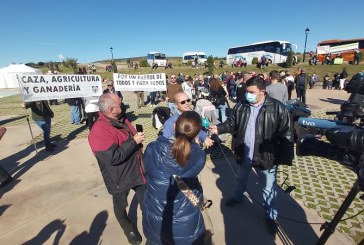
x: 275, y: 52
x: 191, y: 56
x: 156, y: 58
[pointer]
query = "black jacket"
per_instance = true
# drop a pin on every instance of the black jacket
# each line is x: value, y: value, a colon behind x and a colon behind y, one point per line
x: 40, y: 110
x: 273, y: 139
x: 220, y: 96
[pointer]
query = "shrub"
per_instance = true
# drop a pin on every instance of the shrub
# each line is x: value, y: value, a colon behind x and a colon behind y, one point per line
x: 255, y: 60
x: 299, y: 59
x: 41, y: 64
x: 143, y: 63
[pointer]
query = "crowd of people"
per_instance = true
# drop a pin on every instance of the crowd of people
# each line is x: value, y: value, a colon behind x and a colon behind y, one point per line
x: 177, y: 151
x: 261, y: 141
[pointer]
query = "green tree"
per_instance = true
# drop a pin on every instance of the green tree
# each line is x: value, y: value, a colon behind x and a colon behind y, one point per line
x: 30, y: 64
x: 114, y: 67
x: 255, y: 60
x: 210, y: 65
x: 72, y: 62
x: 50, y: 65
x: 289, y: 61
x: 40, y: 64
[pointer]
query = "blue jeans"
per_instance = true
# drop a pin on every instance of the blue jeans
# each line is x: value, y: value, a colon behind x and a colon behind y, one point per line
x: 75, y: 114
x: 173, y: 107
x: 152, y: 96
x: 269, y: 183
x: 222, y: 112
x: 45, y: 125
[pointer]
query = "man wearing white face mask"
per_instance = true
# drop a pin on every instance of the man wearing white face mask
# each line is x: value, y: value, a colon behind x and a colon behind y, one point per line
x: 260, y: 126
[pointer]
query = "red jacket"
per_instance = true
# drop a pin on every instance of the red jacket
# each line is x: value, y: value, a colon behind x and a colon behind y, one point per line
x: 118, y: 155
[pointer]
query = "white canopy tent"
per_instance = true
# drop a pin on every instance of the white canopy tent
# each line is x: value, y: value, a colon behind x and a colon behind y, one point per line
x: 8, y: 74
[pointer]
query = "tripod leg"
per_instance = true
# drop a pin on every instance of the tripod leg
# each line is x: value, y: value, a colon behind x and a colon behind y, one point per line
x: 330, y: 227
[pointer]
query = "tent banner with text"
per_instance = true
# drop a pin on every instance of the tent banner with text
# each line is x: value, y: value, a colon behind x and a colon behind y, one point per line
x: 49, y: 87
x: 140, y: 82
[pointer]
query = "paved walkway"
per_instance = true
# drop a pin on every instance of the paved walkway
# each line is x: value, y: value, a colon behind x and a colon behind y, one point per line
x: 60, y: 198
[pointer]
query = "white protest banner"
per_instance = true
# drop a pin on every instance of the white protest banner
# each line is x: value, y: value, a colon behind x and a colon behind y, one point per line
x: 140, y: 82
x: 323, y: 49
x: 49, y: 87
x: 345, y: 47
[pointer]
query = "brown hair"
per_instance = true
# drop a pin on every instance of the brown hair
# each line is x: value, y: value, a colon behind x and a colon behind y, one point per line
x: 188, y: 125
x: 215, y: 83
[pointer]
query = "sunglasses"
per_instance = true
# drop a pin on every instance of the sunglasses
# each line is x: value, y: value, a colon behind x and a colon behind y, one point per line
x: 173, y: 78
x: 184, y: 101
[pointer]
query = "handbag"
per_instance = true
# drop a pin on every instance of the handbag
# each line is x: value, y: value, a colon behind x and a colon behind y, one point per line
x: 195, y: 201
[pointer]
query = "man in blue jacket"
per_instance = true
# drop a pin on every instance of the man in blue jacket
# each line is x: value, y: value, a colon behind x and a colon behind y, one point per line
x: 261, y: 129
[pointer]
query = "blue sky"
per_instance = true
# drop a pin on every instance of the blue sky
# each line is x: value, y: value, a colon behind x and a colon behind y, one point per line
x: 41, y: 30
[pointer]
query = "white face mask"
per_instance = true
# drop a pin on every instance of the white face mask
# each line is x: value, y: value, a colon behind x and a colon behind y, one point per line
x: 251, y: 98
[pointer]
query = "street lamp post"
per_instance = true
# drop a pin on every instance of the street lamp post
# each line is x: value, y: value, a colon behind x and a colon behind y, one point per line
x: 112, y: 55
x: 112, y: 60
x: 304, y: 52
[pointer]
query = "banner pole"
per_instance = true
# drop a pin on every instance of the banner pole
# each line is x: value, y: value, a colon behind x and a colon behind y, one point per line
x: 31, y: 132
x: 26, y: 114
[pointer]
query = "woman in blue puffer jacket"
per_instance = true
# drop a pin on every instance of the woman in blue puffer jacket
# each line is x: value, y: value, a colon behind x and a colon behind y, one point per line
x: 168, y: 216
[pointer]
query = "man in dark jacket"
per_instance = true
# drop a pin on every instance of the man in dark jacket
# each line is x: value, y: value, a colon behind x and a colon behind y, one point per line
x: 241, y: 87
x: 261, y: 128
x: 301, y: 82
x: 42, y: 116
x: 115, y: 144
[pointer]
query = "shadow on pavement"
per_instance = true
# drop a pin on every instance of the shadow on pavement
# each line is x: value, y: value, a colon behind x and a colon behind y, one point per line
x: 55, y: 226
x: 92, y: 237
x: 13, y: 165
x: 333, y: 101
x: 3, y: 208
x: 5, y: 121
x: 72, y: 135
x: 246, y: 221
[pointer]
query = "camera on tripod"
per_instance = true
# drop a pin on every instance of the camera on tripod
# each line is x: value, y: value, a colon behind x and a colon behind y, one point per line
x: 345, y: 136
x: 345, y: 143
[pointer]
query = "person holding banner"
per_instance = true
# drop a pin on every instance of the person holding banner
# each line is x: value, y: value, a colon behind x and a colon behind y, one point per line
x: 42, y: 116
x: 116, y: 146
